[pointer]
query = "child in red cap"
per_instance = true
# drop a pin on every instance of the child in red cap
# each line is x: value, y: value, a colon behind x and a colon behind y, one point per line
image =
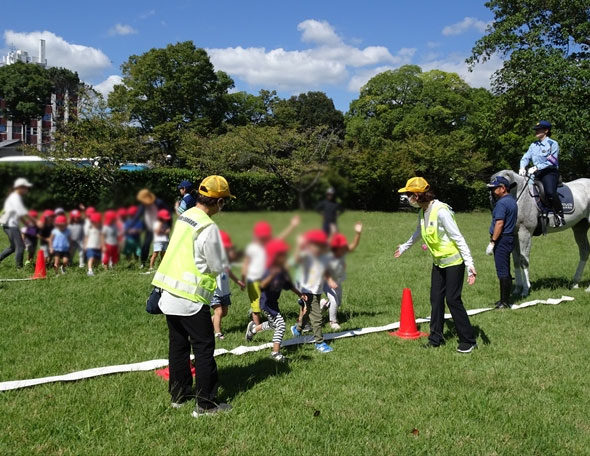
x: 222, y: 297
x: 254, y: 263
x: 93, y: 241
x: 45, y: 226
x: 76, y: 228
x: 59, y: 244
x: 314, y: 273
x: 133, y: 228
x: 275, y: 279
x: 30, y: 234
x: 161, y: 236
x: 339, y: 247
x: 110, y: 247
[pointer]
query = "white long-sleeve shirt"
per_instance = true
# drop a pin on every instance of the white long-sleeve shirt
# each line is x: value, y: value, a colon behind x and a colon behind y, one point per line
x: 210, y: 258
x: 14, y: 209
x: 447, y: 231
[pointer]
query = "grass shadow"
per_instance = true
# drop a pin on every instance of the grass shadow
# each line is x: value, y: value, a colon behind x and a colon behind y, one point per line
x: 552, y: 283
x: 239, y: 379
x: 480, y: 334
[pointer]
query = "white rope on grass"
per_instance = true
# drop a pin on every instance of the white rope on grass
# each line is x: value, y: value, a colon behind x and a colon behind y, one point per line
x: 241, y: 350
x: 18, y: 280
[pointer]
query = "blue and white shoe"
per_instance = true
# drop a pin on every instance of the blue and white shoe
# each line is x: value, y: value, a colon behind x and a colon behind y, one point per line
x: 250, y: 331
x: 295, y: 331
x: 323, y: 348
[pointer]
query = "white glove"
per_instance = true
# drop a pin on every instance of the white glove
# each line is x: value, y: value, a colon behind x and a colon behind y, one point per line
x: 490, y: 249
x: 532, y: 170
x: 522, y: 172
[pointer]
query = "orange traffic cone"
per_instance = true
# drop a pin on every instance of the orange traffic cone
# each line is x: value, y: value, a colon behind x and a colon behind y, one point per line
x: 407, y: 324
x: 40, y: 269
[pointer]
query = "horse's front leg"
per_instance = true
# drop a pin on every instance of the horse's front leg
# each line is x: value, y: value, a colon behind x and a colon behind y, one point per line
x: 524, y: 246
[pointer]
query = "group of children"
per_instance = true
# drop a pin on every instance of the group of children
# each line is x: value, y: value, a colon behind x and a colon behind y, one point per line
x: 320, y: 261
x: 96, y: 238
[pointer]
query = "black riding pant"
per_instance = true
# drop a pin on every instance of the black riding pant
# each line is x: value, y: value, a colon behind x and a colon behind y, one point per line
x: 550, y: 179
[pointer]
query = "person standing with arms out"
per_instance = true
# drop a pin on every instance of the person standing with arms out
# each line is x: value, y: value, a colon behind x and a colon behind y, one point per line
x: 187, y: 277
x: 188, y: 197
x: 544, y: 153
x: 451, y: 255
x: 330, y: 211
x: 15, y: 211
x: 502, y: 236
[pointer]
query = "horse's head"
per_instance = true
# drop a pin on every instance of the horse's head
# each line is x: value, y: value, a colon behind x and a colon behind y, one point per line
x: 515, y: 180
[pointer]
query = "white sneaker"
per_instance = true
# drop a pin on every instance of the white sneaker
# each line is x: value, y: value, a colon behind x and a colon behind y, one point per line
x: 220, y: 408
x: 335, y: 326
x: 324, y: 304
x: 90, y: 273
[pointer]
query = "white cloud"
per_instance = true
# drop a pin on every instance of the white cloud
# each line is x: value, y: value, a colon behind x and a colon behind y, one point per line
x: 106, y: 86
x: 362, y: 77
x: 147, y: 14
x: 479, y: 77
x: 121, y: 29
x: 87, y: 61
x: 468, y: 23
x: 326, y: 62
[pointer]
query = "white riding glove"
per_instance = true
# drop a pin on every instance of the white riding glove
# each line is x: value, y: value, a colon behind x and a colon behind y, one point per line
x: 522, y: 172
x: 532, y: 170
x: 490, y: 249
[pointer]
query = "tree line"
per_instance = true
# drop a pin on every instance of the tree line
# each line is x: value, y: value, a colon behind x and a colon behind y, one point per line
x: 175, y: 109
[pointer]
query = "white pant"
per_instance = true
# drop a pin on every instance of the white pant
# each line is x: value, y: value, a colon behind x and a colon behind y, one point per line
x: 335, y: 298
x: 78, y: 246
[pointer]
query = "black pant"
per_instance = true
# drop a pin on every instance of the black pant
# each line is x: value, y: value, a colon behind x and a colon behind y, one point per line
x: 448, y: 283
x: 147, y: 244
x: 550, y: 179
x: 195, y: 331
x: 502, y: 251
x: 16, y: 245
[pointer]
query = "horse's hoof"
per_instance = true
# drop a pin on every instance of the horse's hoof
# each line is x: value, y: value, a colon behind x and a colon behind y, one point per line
x: 575, y: 286
x: 588, y: 290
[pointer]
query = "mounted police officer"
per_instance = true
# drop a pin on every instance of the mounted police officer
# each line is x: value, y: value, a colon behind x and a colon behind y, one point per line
x: 544, y: 153
x: 502, y: 236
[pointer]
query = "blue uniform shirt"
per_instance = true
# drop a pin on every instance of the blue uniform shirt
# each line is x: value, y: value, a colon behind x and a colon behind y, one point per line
x: 543, y: 154
x: 186, y: 203
x: 61, y: 240
x: 507, y: 210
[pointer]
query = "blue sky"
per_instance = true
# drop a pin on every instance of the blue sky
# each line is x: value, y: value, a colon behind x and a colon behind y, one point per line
x: 333, y: 46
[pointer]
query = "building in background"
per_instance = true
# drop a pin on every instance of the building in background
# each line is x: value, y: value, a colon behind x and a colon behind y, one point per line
x: 41, y: 131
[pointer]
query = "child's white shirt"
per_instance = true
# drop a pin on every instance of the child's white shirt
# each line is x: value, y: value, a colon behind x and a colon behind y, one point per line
x: 223, y: 285
x: 337, y: 267
x: 93, y: 238
x: 257, y: 262
x: 313, y: 270
x: 159, y: 237
x: 110, y: 235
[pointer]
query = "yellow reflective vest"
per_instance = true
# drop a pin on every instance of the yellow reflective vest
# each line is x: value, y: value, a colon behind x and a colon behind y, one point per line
x: 178, y: 273
x: 444, y: 252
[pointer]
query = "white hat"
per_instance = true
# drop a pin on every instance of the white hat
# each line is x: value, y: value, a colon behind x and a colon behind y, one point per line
x: 59, y: 210
x: 22, y: 182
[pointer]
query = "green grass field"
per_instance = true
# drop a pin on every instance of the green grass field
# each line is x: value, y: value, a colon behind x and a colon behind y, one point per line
x: 525, y: 391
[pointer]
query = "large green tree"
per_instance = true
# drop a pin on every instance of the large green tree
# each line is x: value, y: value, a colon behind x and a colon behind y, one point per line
x: 308, y: 110
x: 26, y: 90
x: 172, y: 89
x: 546, y: 74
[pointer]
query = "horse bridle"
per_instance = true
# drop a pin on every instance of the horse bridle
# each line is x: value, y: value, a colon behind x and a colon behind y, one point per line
x: 526, y: 184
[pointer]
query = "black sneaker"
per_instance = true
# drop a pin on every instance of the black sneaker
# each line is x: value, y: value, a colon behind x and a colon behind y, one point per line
x: 465, y: 347
x: 211, y: 411
x: 502, y: 305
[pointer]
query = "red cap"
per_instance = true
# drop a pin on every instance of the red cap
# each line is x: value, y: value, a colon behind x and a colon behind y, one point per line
x: 131, y: 211
x: 90, y: 210
x: 61, y: 220
x: 262, y: 230
x: 339, y: 240
x: 226, y: 240
x: 164, y: 214
x: 95, y: 217
x: 274, y: 248
x: 316, y: 237
x: 48, y: 213
x: 33, y: 213
x: 75, y: 214
x: 121, y: 212
x: 109, y: 216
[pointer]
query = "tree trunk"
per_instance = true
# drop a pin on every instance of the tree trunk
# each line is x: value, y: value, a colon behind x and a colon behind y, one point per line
x: 300, y: 194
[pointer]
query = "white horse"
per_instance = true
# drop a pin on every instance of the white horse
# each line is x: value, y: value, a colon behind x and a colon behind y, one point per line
x: 528, y: 220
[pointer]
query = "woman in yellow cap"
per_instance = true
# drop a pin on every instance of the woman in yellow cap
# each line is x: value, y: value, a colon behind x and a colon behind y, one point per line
x: 187, y: 279
x: 451, y: 255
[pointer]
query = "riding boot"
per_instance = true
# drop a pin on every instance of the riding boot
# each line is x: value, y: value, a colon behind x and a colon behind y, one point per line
x: 506, y: 291
x: 558, y: 212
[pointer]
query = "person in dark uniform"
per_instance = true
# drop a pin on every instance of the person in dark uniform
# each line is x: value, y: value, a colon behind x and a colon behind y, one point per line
x: 544, y: 153
x: 330, y: 211
x: 502, y: 236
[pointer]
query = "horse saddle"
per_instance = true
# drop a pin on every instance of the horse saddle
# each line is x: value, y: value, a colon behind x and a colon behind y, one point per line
x: 564, y: 193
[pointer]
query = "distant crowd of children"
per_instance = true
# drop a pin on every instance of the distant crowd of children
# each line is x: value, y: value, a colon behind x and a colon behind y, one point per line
x: 94, y: 238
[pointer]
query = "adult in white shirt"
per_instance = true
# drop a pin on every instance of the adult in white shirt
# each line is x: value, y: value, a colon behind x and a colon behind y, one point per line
x: 14, y: 211
x: 451, y: 257
x: 189, y: 321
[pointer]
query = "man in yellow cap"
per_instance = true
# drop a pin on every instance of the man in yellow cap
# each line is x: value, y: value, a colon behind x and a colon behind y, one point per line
x: 450, y: 254
x: 187, y: 280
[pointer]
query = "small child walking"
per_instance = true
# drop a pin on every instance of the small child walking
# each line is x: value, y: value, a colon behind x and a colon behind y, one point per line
x: 222, y: 297
x: 30, y: 233
x: 59, y: 244
x: 275, y: 279
x: 45, y: 229
x: 339, y: 247
x: 110, y: 235
x: 76, y: 228
x: 314, y: 274
x: 161, y: 236
x: 133, y: 229
x: 93, y: 241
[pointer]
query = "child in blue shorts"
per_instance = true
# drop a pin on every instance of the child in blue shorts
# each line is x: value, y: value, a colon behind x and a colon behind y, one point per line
x: 276, y: 279
x: 93, y: 242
